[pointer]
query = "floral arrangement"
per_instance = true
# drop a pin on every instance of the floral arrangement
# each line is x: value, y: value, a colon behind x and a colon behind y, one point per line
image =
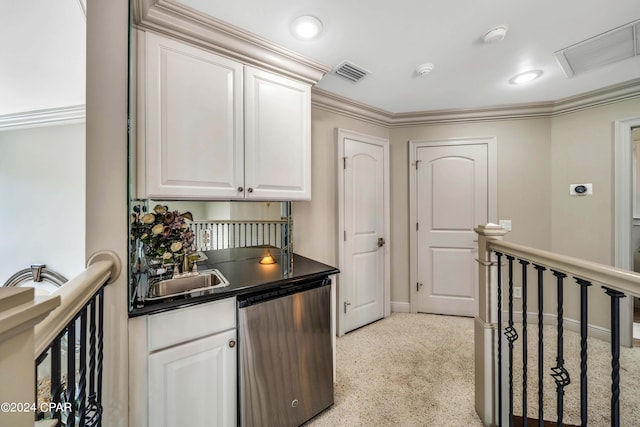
x: 165, y: 234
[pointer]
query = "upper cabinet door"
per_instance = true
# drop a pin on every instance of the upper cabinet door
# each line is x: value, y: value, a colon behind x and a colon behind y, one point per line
x: 277, y: 137
x: 193, y: 122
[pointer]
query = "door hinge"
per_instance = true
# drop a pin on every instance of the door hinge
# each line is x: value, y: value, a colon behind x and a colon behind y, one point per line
x: 344, y: 162
x: 345, y: 235
x: 417, y: 226
x: 418, y: 286
x: 346, y: 303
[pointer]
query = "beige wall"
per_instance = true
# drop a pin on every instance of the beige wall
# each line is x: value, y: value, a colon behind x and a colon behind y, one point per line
x: 315, y: 224
x: 42, y: 183
x: 582, y: 152
x: 537, y: 160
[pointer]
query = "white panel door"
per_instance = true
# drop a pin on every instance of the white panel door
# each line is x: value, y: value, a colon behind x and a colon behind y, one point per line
x: 194, y: 122
x: 363, y: 262
x: 194, y: 384
x: 451, y: 199
x: 277, y: 137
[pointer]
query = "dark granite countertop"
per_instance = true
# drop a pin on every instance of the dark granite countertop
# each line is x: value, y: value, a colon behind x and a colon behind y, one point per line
x: 246, y: 276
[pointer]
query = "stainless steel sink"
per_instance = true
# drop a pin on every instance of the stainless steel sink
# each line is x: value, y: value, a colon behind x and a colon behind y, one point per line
x: 204, y: 280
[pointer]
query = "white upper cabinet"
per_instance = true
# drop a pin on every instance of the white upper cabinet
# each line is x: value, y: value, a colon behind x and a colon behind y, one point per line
x: 212, y: 128
x: 277, y: 137
x: 194, y: 122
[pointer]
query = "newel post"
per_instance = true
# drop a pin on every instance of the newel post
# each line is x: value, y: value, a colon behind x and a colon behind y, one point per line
x: 485, y: 327
x: 19, y: 312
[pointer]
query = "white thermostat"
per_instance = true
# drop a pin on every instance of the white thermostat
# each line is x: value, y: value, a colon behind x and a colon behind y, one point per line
x: 580, y: 189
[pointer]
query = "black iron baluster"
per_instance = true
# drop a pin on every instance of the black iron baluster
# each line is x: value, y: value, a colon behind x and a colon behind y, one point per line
x: 92, y: 351
x: 71, y: 374
x: 499, y: 264
x: 512, y: 335
x: 584, y: 285
x: 56, y: 380
x: 100, y: 349
x: 92, y: 412
x: 559, y: 373
x: 540, y: 269
x: 615, y: 354
x: 524, y: 341
x: 82, y: 383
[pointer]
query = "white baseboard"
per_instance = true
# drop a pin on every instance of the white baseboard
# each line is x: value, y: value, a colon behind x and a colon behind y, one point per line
x: 400, y: 307
x: 572, y: 325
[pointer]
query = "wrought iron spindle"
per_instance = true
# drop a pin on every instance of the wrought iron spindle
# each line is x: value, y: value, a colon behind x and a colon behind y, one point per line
x: 71, y: 374
x: 540, y: 269
x: 512, y: 335
x: 100, y: 347
x: 82, y: 381
x: 584, y: 318
x: 56, y: 376
x: 615, y: 354
x: 499, y: 264
x: 524, y: 341
x: 559, y: 373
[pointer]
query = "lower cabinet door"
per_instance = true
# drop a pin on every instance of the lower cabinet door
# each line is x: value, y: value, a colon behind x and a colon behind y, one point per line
x: 194, y: 384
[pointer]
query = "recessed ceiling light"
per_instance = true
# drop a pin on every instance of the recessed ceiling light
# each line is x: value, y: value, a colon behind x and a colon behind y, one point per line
x: 525, y: 77
x: 306, y: 27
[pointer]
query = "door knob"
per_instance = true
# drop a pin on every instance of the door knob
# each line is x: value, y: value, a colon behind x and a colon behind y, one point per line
x: 232, y: 343
x: 240, y: 189
x: 250, y: 190
x: 381, y: 242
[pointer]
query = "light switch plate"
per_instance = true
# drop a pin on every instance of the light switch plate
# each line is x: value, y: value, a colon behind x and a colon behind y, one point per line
x: 506, y: 224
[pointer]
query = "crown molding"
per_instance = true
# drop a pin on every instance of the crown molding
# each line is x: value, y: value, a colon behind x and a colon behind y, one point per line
x: 324, y: 100
x: 179, y: 21
x: 48, y: 117
x: 331, y: 102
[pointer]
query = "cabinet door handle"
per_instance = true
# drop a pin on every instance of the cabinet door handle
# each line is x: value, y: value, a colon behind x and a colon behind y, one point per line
x: 232, y: 343
x: 250, y: 190
x: 240, y: 189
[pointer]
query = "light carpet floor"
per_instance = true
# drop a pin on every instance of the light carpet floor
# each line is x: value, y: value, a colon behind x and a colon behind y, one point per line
x: 405, y: 370
x: 418, y: 370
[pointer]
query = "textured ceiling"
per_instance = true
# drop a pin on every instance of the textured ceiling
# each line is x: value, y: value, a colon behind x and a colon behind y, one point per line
x: 44, y: 48
x: 391, y: 38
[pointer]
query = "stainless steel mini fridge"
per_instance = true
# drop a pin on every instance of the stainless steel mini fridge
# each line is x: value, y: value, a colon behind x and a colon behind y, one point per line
x: 285, y: 357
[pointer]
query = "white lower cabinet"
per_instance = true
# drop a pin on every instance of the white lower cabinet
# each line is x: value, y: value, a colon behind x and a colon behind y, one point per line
x: 183, y: 367
x: 194, y: 384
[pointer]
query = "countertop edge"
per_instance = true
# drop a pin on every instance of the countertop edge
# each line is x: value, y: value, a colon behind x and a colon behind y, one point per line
x: 247, y: 290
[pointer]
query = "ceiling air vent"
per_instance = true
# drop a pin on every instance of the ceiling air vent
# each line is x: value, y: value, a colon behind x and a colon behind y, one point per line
x: 604, y: 49
x: 351, y: 72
